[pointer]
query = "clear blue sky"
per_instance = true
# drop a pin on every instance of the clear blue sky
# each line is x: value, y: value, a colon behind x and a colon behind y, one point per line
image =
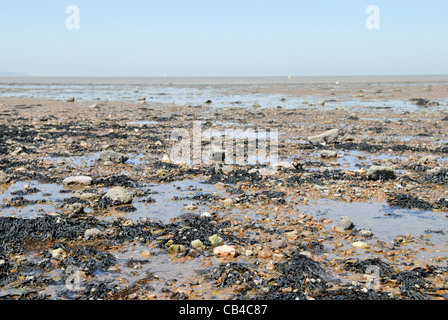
x: 224, y: 38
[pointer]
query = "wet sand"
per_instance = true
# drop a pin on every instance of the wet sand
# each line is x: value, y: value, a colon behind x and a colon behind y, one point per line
x: 282, y: 223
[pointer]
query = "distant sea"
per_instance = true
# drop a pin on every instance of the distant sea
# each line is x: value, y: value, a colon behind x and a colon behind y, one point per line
x: 218, y: 80
x: 268, y: 92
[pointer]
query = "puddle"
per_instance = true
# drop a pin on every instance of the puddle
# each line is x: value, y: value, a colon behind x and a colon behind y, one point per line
x: 89, y: 160
x: 166, y: 202
x: 384, y: 221
x: 48, y: 197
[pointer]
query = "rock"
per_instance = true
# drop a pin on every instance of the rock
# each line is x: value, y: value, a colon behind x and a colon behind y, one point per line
x: 74, y: 208
x: 360, y: 245
x: 71, y: 99
x: 365, y: 233
x: 278, y: 244
x: 85, y: 180
x: 165, y: 158
x: 113, y: 156
x: 228, y: 202
x: 146, y: 254
x: 44, y: 117
x: 94, y: 106
x: 345, y: 224
x: 265, y: 254
x: 118, y: 195
x: 92, y: 233
x: 216, y: 240
x: 226, y: 170
x: 141, y: 100
x: 225, y: 251
x: 328, y: 154
x: 58, y: 253
x: 216, y: 154
x: 86, y: 196
x: 292, y: 235
x: 427, y: 159
x: 206, y: 214
x: 197, y: 244
x: 4, y: 178
x: 176, y: 248
x: 329, y: 136
x: 380, y: 173
x: 284, y: 165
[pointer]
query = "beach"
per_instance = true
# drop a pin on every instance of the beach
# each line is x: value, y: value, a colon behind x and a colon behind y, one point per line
x: 353, y: 205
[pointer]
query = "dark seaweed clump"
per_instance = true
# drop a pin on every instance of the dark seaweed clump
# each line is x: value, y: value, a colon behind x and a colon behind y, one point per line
x: 228, y: 274
x: 240, y: 175
x: 118, y: 180
x: 301, y: 274
x: 14, y: 231
x: 408, y: 201
x: 361, y: 266
x: 412, y: 282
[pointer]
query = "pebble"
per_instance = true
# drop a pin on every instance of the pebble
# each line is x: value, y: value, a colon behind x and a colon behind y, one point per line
x: 197, y: 244
x: 344, y: 224
x: 225, y: 251
x: 92, y: 233
x: 70, y: 99
x: 216, y: 240
x: 4, y: 178
x: 329, y: 136
x: 380, y: 172
x: 85, y: 180
x: 119, y: 195
x: 360, y: 245
x: 328, y: 154
x: 112, y: 156
x: 228, y: 202
x: 58, y: 253
x: 176, y: 248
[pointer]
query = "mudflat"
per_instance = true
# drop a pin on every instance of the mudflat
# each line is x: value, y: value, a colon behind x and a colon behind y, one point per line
x: 358, y: 213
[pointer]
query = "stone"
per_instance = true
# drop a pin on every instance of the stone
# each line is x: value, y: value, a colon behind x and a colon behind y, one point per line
x: 4, y: 178
x: 328, y: 154
x: 284, y: 165
x: 380, y: 173
x: 71, y: 99
x: 365, y: 233
x: 112, y: 156
x: 216, y: 240
x: 165, y: 158
x: 360, y: 245
x: 217, y: 154
x: 84, y: 180
x: 427, y: 159
x: 292, y: 235
x: 345, y: 224
x: 197, y: 244
x: 265, y: 254
x: 119, y: 195
x: 176, y: 248
x: 92, y: 233
x: 228, y: 202
x: 225, y: 251
x: 58, y: 253
x: 329, y: 136
x: 94, y: 106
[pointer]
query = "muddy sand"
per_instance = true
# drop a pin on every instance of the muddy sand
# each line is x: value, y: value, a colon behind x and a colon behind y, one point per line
x: 361, y: 214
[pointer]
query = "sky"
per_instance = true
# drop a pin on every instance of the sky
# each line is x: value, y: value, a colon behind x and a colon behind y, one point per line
x: 223, y: 38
